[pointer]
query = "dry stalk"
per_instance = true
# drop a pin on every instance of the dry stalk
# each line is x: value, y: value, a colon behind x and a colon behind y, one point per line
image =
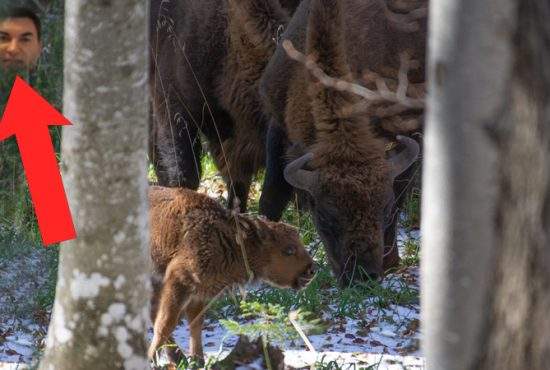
x: 399, y: 100
x: 292, y: 316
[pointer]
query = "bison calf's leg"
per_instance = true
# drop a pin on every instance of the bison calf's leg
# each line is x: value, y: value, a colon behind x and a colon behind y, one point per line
x: 195, y: 317
x: 276, y: 191
x: 173, y: 297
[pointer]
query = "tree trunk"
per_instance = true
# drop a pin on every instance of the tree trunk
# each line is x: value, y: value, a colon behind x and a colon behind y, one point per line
x: 100, y: 315
x: 486, y: 205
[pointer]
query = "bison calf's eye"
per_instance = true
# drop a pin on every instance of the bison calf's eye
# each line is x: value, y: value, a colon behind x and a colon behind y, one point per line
x: 289, y: 251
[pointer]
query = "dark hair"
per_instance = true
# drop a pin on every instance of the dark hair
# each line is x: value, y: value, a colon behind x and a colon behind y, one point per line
x: 22, y: 12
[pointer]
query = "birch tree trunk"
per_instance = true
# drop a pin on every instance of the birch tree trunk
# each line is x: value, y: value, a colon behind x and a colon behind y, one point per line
x: 100, y: 315
x: 486, y: 200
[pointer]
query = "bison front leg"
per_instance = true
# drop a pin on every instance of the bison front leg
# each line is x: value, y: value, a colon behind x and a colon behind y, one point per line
x: 239, y: 189
x: 276, y: 191
x: 237, y: 164
x: 175, y: 146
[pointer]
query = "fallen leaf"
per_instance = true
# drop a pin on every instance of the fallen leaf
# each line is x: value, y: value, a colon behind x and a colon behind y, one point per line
x: 11, y: 352
x: 412, y: 327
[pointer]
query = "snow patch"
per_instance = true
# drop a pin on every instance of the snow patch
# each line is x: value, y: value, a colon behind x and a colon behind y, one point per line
x: 121, y: 335
x: 117, y: 311
x: 119, y: 237
x: 87, y: 287
x: 114, y: 314
x: 136, y: 324
x: 136, y: 363
x: 119, y: 282
x: 61, y: 333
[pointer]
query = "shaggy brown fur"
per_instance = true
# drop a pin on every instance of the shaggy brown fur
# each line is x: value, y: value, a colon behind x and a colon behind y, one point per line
x: 205, y: 70
x: 195, y: 253
x: 353, y: 185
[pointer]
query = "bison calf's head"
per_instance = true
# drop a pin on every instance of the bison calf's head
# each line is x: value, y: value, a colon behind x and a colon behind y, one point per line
x: 289, y: 264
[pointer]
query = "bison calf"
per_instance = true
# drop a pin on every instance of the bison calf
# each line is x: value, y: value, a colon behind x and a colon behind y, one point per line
x: 196, y: 255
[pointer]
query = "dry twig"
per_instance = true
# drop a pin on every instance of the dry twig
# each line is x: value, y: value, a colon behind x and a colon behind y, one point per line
x: 399, y: 99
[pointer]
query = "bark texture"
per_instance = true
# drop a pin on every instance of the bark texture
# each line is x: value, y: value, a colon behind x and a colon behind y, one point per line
x: 518, y: 333
x: 486, y: 206
x: 100, y: 315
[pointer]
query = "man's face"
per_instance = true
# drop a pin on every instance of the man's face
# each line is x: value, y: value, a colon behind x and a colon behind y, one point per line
x: 19, y: 43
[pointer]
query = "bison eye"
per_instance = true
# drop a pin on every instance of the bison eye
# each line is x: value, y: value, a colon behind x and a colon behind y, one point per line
x: 289, y: 251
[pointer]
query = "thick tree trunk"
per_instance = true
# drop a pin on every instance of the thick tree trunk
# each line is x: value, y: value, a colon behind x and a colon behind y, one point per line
x: 486, y: 204
x: 100, y: 314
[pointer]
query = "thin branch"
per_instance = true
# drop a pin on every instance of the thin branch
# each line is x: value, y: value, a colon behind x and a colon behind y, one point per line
x: 383, y: 93
x: 293, y: 316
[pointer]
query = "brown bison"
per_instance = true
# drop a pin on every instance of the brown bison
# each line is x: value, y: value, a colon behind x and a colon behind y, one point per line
x: 196, y: 252
x: 330, y: 154
x: 204, y: 81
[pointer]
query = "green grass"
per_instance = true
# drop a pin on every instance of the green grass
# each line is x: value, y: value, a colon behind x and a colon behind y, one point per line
x: 411, y: 209
x: 15, y: 205
x: 209, y: 169
x: 19, y: 234
x: 323, y: 364
x: 351, y: 302
x: 412, y: 253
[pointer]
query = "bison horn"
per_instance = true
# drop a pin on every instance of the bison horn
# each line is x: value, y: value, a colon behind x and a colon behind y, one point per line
x: 401, y: 161
x: 302, y: 179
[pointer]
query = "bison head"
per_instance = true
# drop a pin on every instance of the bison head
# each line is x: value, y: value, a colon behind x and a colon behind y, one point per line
x: 289, y: 265
x: 349, y: 206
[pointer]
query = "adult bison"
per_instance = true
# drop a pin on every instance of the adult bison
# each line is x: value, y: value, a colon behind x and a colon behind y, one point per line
x: 204, y: 80
x: 333, y: 156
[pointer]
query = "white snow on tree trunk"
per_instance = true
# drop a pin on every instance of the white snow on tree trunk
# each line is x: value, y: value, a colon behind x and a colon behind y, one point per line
x: 101, y: 313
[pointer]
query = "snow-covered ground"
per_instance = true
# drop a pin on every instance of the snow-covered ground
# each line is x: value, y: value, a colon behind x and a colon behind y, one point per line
x: 387, y: 338
x: 22, y: 324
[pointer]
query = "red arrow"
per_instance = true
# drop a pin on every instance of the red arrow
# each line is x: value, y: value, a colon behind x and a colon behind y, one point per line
x: 27, y: 116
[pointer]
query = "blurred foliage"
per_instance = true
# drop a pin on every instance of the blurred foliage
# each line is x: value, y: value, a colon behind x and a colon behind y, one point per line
x: 272, y: 322
x: 16, y: 210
